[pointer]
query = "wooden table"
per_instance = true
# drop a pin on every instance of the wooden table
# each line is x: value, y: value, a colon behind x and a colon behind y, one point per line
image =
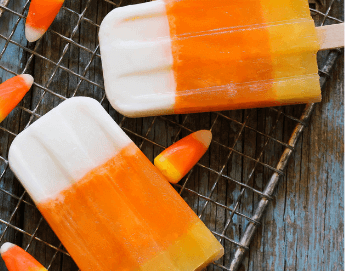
x: 303, y: 226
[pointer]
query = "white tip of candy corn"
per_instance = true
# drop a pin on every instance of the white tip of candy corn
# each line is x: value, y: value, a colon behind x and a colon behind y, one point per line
x: 33, y: 34
x: 204, y: 137
x: 29, y: 80
x: 5, y: 247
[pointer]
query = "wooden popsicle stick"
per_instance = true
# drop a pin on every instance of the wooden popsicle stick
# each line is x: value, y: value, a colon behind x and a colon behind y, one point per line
x: 331, y: 36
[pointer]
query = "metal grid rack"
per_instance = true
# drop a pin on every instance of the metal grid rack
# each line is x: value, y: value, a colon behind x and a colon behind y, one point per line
x: 248, y: 145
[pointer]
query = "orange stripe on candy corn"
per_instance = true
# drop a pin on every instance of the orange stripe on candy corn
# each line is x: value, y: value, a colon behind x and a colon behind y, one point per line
x: 17, y: 259
x: 12, y: 92
x: 175, y: 161
x: 41, y: 15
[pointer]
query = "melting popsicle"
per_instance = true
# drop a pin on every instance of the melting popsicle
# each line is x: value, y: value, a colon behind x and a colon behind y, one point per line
x: 12, y: 92
x: 17, y: 259
x: 171, y: 57
x: 41, y: 15
x: 108, y: 204
x: 176, y: 160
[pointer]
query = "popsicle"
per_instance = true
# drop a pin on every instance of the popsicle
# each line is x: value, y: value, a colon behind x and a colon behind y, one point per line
x: 171, y: 57
x: 17, y: 259
x: 12, y: 92
x: 41, y: 15
x: 108, y: 204
x: 179, y: 158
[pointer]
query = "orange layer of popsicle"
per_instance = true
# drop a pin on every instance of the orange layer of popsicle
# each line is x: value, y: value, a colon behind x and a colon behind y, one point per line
x: 230, y: 54
x: 12, y: 92
x: 41, y: 15
x: 125, y: 214
x: 17, y: 259
x: 176, y: 160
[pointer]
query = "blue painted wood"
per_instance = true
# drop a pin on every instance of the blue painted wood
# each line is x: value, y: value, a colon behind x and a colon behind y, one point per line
x: 303, y: 229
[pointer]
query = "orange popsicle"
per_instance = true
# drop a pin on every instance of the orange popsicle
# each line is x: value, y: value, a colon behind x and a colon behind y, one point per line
x: 260, y: 53
x: 12, y: 92
x: 17, y: 259
x: 176, y: 160
x: 41, y: 15
x: 172, y: 56
x: 111, y: 208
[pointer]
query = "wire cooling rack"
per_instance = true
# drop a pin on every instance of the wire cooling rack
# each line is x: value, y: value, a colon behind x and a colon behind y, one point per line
x: 229, y: 188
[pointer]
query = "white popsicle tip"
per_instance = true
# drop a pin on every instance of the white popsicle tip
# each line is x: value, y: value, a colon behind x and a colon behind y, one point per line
x: 29, y: 80
x: 203, y: 136
x: 33, y: 34
x: 5, y: 247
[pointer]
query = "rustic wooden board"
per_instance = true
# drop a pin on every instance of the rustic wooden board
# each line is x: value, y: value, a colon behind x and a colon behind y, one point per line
x: 303, y: 227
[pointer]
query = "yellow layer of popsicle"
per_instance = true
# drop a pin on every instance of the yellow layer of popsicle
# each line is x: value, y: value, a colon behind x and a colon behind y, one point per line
x: 185, y: 254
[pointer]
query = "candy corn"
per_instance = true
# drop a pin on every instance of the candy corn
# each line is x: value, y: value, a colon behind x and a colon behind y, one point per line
x: 17, y: 259
x: 175, y: 161
x: 41, y: 15
x: 12, y: 92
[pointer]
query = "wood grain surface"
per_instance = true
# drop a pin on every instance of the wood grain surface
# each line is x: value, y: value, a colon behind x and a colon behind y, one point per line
x: 3, y: 3
x: 303, y: 226
x: 331, y: 36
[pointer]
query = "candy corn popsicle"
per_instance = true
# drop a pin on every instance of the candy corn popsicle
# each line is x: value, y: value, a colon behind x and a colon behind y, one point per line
x: 110, y: 207
x: 175, y: 161
x: 12, y: 92
x: 167, y: 57
x: 17, y: 259
x: 41, y: 15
